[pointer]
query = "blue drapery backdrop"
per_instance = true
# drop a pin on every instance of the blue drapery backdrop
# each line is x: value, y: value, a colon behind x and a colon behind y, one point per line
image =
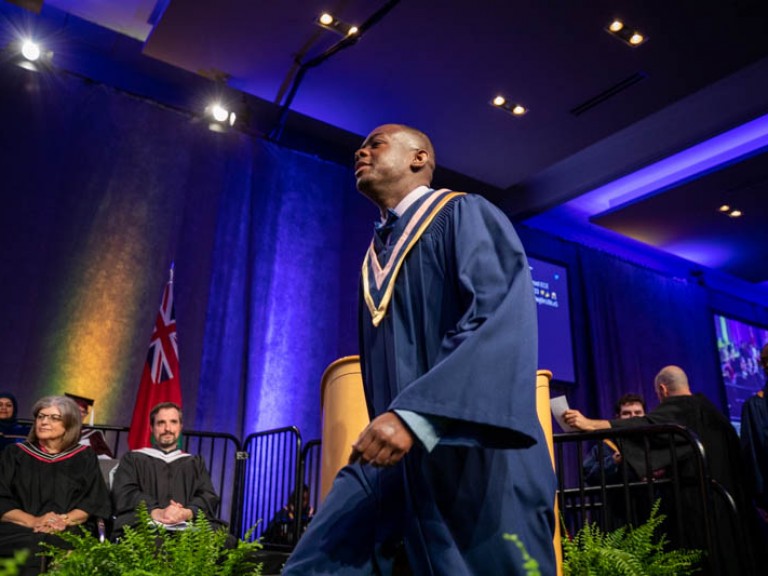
x: 101, y: 191
x: 646, y: 321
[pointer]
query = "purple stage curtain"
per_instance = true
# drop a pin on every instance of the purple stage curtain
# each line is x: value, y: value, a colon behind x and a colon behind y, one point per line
x: 639, y: 322
x: 102, y: 191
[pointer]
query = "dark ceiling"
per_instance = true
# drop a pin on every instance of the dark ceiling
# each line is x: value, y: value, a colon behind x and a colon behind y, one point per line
x: 682, y: 220
x: 599, y: 109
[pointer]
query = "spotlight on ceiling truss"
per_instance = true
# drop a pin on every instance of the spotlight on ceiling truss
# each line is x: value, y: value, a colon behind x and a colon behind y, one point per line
x: 619, y: 29
x: 330, y: 22
x: 514, y: 108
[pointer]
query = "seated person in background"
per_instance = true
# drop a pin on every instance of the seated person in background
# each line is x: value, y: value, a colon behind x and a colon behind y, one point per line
x: 281, y: 528
x: 628, y: 406
x: 694, y: 411
x: 11, y: 432
x: 89, y: 436
x: 48, y: 483
x: 173, y: 484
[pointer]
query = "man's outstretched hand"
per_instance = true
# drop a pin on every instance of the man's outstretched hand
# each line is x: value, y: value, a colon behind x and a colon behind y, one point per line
x: 580, y: 422
x: 384, y: 441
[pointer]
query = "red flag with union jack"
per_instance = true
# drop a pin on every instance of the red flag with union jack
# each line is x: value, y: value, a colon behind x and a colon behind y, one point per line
x: 160, y: 381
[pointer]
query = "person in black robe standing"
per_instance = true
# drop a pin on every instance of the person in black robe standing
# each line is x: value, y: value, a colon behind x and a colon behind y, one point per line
x: 174, y: 485
x: 733, y: 537
x: 454, y: 456
x: 754, y: 445
x: 49, y: 483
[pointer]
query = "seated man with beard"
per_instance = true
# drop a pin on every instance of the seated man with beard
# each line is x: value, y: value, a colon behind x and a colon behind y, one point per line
x: 174, y: 485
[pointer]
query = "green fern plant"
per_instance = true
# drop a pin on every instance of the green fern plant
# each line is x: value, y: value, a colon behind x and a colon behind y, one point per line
x: 10, y: 566
x: 626, y: 552
x: 530, y: 565
x: 151, y: 550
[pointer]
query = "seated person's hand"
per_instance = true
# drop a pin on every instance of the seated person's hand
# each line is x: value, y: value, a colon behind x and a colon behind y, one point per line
x: 50, y: 522
x: 174, y: 513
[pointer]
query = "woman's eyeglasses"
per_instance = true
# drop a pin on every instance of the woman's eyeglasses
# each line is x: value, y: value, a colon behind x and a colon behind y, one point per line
x: 52, y: 417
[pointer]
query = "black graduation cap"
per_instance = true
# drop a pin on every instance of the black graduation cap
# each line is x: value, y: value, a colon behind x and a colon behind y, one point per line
x: 81, y: 400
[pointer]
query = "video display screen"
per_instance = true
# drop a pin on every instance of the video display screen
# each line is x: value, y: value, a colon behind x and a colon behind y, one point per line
x: 738, y: 345
x: 550, y: 287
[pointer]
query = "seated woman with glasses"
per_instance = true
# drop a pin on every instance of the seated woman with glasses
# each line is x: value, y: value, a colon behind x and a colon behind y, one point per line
x: 48, y: 483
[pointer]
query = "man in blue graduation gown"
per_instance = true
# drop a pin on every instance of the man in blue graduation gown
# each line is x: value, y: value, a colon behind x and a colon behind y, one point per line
x: 454, y: 456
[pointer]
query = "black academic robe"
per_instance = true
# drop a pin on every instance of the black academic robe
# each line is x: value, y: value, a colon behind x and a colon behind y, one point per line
x: 154, y: 477
x: 95, y: 439
x: 721, y: 445
x: 457, y: 344
x: 37, y: 483
x: 754, y: 444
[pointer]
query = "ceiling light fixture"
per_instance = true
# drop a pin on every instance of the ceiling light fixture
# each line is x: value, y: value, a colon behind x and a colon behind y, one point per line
x: 222, y: 117
x: 631, y: 37
x: 730, y: 211
x: 330, y: 22
x: 513, y: 108
x: 30, y: 50
x: 30, y: 55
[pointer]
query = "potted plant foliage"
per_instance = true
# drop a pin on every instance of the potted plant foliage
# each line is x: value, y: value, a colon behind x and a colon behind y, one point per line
x: 151, y: 550
x: 626, y: 551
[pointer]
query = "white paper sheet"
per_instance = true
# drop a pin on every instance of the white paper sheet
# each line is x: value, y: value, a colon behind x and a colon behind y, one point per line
x: 559, y: 404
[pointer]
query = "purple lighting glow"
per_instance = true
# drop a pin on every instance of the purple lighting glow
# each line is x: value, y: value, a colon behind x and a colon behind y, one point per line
x: 684, y: 165
x: 713, y: 253
x: 572, y: 219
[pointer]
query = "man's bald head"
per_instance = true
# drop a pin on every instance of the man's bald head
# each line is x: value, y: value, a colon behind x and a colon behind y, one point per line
x: 421, y: 141
x: 671, y: 381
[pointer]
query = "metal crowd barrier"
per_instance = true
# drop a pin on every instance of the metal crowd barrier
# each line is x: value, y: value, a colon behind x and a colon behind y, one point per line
x: 271, y: 472
x: 628, y: 501
x: 275, y: 464
x: 222, y: 454
x: 311, y: 463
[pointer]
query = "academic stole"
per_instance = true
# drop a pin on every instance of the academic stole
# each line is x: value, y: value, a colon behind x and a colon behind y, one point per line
x: 611, y: 444
x: 378, y: 282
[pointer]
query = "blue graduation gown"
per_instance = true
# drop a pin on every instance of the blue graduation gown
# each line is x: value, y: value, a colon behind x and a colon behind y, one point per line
x: 457, y: 344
